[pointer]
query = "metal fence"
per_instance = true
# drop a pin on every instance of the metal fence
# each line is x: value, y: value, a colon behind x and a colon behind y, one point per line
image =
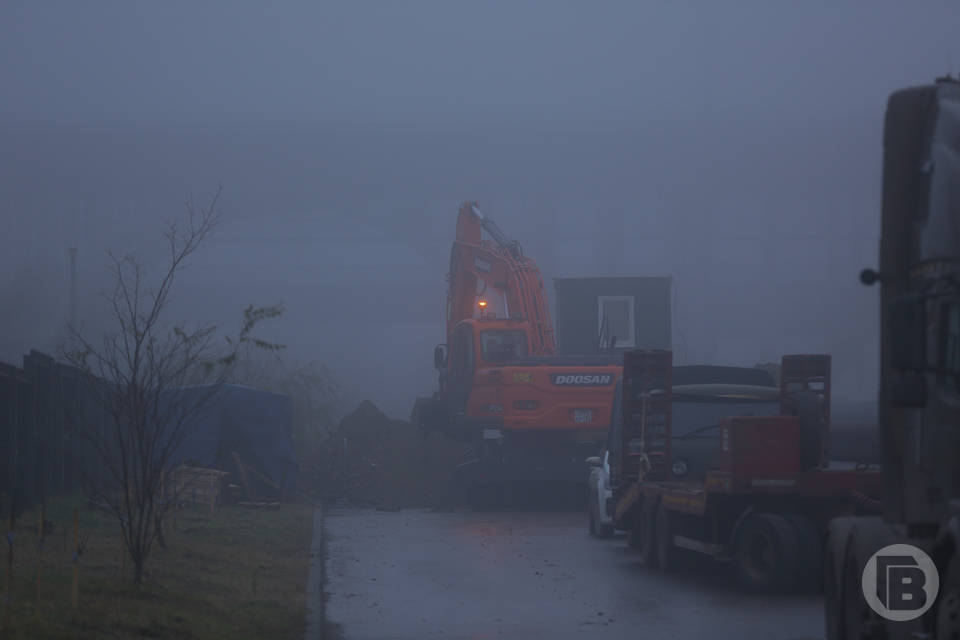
x: 42, y: 453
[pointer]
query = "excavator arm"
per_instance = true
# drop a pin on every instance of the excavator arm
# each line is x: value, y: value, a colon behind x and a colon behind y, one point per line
x: 496, y: 271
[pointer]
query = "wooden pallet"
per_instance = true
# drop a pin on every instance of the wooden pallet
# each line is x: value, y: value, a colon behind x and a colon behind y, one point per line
x: 195, y: 485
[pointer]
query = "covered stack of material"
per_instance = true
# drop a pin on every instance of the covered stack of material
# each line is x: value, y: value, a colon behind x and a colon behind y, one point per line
x: 245, y: 431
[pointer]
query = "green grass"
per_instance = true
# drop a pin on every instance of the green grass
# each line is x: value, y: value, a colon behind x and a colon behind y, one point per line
x: 234, y: 573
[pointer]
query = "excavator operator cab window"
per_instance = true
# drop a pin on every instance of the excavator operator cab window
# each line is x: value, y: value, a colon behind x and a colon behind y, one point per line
x: 503, y: 345
x: 950, y: 344
x: 461, y: 354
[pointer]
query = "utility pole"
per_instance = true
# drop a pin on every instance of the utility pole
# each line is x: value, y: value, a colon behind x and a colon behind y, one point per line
x: 609, y: 241
x: 73, y: 288
x: 81, y: 217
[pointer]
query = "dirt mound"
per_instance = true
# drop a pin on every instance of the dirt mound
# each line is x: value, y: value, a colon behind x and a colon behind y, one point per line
x: 371, y: 458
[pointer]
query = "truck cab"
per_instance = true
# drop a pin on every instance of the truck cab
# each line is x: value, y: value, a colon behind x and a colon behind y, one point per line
x: 919, y: 396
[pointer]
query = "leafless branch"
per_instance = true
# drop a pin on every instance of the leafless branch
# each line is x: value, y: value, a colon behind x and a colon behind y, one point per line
x: 138, y: 373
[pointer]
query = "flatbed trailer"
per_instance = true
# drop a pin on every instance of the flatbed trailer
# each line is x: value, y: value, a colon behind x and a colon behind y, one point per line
x: 768, y: 495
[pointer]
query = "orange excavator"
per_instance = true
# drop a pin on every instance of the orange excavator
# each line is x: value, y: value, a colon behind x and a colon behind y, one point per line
x: 530, y: 414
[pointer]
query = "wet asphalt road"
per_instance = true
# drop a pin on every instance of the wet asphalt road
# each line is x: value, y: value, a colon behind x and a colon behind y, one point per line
x: 419, y: 574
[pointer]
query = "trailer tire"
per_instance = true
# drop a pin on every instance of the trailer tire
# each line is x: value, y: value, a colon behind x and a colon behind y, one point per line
x: 810, y: 550
x: 832, y: 602
x: 766, y: 553
x: 641, y: 534
x: 838, y: 543
x: 856, y: 617
x: 948, y: 609
x: 666, y: 551
x: 648, y: 551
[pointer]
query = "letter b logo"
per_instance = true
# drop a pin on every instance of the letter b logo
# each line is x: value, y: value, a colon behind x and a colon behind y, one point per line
x: 900, y: 582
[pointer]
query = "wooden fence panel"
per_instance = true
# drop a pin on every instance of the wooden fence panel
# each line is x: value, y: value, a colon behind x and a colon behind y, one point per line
x: 43, y: 406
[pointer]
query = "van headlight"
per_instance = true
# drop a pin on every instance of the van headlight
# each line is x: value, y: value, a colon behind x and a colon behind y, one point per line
x: 679, y: 467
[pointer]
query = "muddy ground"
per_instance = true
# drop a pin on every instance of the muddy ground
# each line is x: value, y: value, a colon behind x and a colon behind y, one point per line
x: 468, y: 575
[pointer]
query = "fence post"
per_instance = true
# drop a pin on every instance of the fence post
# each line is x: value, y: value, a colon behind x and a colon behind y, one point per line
x: 40, y: 515
x: 8, y: 579
x: 176, y: 495
x: 76, y: 558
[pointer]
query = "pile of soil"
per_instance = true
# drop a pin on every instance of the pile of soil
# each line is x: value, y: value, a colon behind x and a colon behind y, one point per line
x: 373, y: 459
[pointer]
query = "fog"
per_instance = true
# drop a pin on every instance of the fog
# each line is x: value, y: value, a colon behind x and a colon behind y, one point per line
x: 735, y: 148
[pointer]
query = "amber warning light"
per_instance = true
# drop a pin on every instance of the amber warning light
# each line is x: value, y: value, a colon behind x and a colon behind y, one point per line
x: 482, y: 304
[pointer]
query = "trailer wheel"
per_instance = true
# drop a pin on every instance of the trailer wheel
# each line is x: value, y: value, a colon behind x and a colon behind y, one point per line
x: 648, y: 522
x: 666, y: 552
x: 810, y: 550
x: 948, y: 611
x: 642, y: 535
x: 833, y: 605
x: 766, y: 553
x: 856, y: 614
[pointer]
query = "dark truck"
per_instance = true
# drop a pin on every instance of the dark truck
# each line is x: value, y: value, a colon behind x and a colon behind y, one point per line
x: 919, y: 415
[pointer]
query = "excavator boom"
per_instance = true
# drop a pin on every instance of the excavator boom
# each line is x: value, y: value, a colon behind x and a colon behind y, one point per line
x: 508, y: 283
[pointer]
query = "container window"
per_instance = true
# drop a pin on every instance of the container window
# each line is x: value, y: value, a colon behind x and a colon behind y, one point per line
x: 615, y: 319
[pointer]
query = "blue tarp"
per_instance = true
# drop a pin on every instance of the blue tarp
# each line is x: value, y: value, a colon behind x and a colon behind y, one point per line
x: 256, y: 424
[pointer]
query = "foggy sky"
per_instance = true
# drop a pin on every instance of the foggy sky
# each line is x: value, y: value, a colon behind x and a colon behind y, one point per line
x: 736, y: 150
x: 459, y: 61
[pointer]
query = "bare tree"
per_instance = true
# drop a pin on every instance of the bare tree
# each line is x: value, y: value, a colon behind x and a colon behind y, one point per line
x: 138, y: 373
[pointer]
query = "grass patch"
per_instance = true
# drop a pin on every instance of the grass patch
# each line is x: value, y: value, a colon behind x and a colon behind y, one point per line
x: 234, y: 573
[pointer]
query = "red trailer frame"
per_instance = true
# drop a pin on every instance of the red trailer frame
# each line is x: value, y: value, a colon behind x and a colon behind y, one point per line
x: 768, y: 495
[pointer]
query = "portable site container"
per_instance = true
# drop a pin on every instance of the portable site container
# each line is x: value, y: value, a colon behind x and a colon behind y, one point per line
x: 592, y: 311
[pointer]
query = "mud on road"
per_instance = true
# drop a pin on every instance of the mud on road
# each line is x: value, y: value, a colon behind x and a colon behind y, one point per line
x: 521, y: 574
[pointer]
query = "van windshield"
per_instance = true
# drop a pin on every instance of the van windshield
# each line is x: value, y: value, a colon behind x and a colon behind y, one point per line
x: 689, y: 417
